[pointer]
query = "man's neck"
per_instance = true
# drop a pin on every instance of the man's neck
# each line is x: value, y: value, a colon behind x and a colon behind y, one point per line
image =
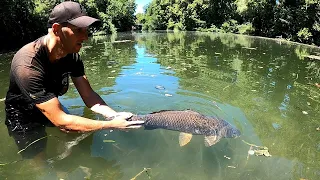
x: 54, y: 47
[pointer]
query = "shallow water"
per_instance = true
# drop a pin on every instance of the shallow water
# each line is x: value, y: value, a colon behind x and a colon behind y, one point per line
x: 266, y: 88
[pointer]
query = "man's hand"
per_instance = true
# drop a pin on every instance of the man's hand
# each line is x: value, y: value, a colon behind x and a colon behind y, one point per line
x: 119, y: 121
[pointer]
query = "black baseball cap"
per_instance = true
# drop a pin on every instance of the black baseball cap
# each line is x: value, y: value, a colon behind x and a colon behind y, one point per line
x: 70, y: 12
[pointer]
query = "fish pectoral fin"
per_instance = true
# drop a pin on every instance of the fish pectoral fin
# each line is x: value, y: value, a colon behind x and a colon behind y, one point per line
x: 211, y: 140
x: 184, y: 138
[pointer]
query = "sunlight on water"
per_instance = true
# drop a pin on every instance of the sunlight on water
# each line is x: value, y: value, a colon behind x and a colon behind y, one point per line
x: 260, y: 86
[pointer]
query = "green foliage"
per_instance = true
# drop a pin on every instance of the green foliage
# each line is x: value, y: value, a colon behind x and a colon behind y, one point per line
x: 212, y: 28
x: 122, y: 14
x: 316, y: 26
x: 25, y: 20
x: 230, y: 26
x: 18, y: 23
x: 179, y: 26
x: 268, y: 18
x: 246, y: 28
x: 171, y: 24
x: 241, y: 6
x: 140, y: 18
x: 304, y: 35
x: 43, y: 7
x: 116, y: 15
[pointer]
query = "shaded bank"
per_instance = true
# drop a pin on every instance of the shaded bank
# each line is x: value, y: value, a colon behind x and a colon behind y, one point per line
x: 292, y: 20
x: 23, y: 21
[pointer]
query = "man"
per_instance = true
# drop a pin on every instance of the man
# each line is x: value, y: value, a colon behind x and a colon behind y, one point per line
x: 39, y: 74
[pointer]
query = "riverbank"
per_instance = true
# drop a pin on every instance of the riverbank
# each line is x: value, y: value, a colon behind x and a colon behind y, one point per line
x: 102, y: 33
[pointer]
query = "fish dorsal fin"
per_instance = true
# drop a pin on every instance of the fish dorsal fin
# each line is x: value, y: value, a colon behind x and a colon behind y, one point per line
x: 187, y: 110
x: 160, y: 111
x: 184, y: 138
x: 211, y: 140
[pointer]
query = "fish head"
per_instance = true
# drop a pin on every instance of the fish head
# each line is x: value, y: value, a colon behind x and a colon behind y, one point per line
x: 233, y: 132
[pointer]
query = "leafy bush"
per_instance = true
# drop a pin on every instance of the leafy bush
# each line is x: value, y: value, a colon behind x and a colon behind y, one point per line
x: 246, y: 28
x: 230, y: 26
x: 304, y: 35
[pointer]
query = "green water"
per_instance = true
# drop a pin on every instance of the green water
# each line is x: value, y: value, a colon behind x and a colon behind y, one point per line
x: 266, y: 88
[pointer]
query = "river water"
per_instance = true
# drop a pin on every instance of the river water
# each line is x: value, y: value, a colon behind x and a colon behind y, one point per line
x: 266, y: 88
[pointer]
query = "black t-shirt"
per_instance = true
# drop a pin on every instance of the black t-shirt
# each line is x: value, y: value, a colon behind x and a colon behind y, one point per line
x: 33, y: 80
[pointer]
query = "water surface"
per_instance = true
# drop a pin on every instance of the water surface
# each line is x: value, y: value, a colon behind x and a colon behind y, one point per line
x: 266, y: 88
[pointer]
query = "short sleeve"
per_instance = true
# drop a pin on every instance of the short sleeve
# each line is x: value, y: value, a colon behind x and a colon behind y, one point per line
x: 31, y: 83
x: 78, y: 67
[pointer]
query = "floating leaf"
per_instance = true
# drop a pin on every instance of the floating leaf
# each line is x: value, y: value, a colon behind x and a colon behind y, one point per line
x: 160, y: 87
x: 232, y: 167
x: 144, y: 170
x: 121, y: 41
x: 226, y: 157
x: 251, y: 152
x: 262, y: 152
x: 257, y: 150
x: 108, y: 141
x: 249, y: 48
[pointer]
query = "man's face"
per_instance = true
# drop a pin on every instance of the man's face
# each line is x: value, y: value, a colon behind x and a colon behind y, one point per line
x: 73, y: 37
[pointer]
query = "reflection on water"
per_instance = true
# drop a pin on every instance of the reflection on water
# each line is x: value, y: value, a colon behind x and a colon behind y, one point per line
x: 263, y: 87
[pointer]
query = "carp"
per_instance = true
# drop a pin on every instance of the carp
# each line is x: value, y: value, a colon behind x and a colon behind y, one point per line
x: 189, y: 123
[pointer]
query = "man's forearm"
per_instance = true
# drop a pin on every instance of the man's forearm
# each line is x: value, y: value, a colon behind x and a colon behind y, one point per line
x: 81, y: 124
x: 104, y: 110
x: 97, y: 105
x: 92, y: 99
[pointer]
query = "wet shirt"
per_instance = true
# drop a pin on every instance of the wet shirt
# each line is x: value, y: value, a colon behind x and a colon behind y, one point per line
x: 34, y: 80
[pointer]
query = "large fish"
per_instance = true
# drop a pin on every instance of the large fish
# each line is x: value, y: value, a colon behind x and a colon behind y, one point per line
x: 188, y: 123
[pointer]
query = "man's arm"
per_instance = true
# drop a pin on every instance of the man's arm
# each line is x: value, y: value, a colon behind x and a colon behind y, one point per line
x: 52, y: 109
x: 91, y: 98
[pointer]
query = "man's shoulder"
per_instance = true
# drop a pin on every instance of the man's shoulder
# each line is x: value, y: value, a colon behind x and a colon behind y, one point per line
x: 28, y: 52
x: 31, y: 47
